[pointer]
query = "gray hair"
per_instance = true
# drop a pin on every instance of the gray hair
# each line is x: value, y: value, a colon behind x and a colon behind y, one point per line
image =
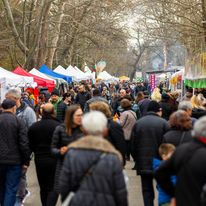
x: 185, y: 105
x: 13, y: 93
x: 94, y: 122
x: 200, y: 128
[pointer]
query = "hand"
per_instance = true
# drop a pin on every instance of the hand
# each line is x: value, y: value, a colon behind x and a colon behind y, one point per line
x: 173, y: 202
x: 63, y: 150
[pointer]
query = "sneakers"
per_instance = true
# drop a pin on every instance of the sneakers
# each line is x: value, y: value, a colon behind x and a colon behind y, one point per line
x: 27, y: 195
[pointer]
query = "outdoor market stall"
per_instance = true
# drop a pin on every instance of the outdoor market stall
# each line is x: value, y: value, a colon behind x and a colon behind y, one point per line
x: 40, y: 81
x: 10, y: 80
x: 44, y: 69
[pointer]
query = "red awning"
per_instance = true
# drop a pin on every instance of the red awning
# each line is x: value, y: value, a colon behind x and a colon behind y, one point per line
x: 40, y: 81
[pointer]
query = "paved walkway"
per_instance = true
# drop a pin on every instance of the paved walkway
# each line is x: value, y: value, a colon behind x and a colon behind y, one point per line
x: 134, y: 188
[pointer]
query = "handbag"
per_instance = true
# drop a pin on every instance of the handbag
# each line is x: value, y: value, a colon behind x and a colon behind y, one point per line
x: 89, y: 172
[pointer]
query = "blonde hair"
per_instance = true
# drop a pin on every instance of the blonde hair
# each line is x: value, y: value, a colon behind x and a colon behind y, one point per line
x: 198, y: 101
x: 156, y: 95
x: 102, y: 107
x: 166, y: 148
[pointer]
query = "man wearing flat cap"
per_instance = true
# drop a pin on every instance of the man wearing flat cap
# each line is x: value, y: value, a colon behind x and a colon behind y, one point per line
x: 14, y: 152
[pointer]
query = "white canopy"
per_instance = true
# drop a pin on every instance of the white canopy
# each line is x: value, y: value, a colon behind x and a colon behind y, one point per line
x: 87, y: 75
x: 87, y: 70
x: 39, y: 74
x: 12, y: 79
x: 105, y: 76
x: 78, y: 75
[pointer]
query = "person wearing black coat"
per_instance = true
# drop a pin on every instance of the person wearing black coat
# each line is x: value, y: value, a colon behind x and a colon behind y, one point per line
x: 40, y: 137
x: 63, y: 135
x: 180, y: 132
x: 92, y: 168
x: 96, y: 97
x: 146, y: 138
x: 14, y: 152
x: 166, y: 106
x: 188, y: 163
x: 115, y: 132
x: 82, y: 97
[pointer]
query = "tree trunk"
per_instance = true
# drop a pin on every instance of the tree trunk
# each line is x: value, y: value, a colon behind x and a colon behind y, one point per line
x: 76, y: 29
x: 15, y: 33
x: 41, y: 56
x: 56, y: 34
x: 33, y: 52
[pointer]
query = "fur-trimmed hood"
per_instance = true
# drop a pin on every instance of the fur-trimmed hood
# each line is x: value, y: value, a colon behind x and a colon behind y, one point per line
x: 95, y: 143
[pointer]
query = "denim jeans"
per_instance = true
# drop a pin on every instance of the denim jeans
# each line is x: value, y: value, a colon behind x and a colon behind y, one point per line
x: 9, y: 181
x: 147, y: 189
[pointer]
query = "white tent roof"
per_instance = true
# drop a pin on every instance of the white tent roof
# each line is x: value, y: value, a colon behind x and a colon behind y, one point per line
x: 105, y: 76
x: 78, y: 76
x: 87, y: 70
x: 61, y: 70
x: 39, y: 74
x: 16, y: 80
x: 86, y: 75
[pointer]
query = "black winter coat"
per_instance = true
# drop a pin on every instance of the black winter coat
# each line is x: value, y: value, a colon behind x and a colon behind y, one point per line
x: 177, y: 137
x: 166, y: 110
x: 143, y: 106
x: 82, y: 98
x: 14, y: 144
x: 147, y: 136
x: 116, y: 137
x: 60, y: 139
x: 61, y: 111
x: 40, y: 137
x: 105, y: 185
x: 197, y: 113
x: 188, y: 163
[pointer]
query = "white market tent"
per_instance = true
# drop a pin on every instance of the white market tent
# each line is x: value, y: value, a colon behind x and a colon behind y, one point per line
x: 87, y: 70
x: 106, y: 76
x: 14, y: 80
x: 78, y: 76
x: 57, y: 80
x: 87, y: 75
x: 63, y: 71
x: 39, y: 74
x: 10, y: 80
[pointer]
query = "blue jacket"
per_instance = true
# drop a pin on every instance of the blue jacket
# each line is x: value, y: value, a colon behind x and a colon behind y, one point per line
x: 163, y: 197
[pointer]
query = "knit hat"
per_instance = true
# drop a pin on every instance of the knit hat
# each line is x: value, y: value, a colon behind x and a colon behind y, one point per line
x: 154, y: 107
x: 55, y: 92
x: 8, y: 104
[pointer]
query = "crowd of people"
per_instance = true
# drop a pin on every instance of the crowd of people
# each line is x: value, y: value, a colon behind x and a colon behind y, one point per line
x: 81, y: 141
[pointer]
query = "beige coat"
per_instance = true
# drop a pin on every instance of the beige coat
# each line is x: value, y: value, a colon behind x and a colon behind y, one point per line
x: 128, y: 119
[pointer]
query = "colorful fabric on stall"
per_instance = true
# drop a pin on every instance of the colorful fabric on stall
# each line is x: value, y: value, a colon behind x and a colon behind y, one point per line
x: 199, y: 83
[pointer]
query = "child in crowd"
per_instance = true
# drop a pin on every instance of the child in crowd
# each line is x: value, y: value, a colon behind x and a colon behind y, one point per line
x: 165, y: 152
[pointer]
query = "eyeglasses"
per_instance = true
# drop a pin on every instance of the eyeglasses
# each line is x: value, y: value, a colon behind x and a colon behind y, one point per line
x: 78, y: 115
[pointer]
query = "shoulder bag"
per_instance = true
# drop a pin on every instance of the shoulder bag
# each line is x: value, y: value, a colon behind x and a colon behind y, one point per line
x: 88, y: 173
